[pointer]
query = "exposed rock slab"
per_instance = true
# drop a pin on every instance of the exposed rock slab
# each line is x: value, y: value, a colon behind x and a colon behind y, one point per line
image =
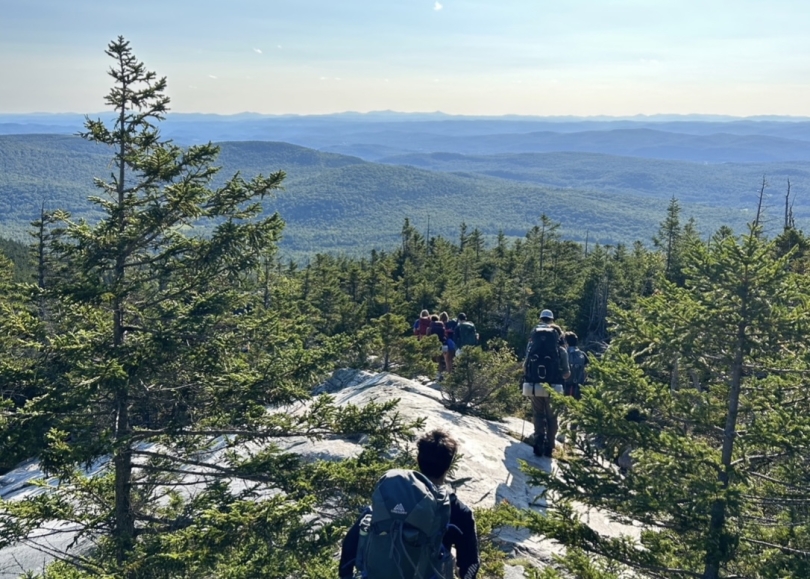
x: 488, y: 473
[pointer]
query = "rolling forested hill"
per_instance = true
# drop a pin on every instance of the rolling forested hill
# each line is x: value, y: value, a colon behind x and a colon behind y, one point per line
x: 636, y: 142
x: 732, y: 185
x: 338, y: 202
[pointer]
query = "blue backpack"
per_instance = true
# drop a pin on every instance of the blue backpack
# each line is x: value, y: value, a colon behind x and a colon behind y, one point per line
x: 576, y: 362
x: 401, y: 538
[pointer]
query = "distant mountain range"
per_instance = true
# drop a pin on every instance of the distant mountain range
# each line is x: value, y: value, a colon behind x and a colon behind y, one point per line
x: 344, y: 203
x: 373, y: 136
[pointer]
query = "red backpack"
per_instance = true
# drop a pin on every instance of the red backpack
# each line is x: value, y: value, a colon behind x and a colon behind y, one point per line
x: 422, y: 327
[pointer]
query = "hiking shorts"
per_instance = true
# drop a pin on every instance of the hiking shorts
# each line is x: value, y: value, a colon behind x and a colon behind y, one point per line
x: 538, y: 391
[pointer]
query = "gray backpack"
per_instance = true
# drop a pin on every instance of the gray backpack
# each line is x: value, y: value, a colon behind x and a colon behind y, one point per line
x: 464, y: 334
x: 402, y: 536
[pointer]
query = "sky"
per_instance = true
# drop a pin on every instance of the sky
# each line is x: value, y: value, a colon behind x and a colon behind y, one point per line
x: 466, y: 57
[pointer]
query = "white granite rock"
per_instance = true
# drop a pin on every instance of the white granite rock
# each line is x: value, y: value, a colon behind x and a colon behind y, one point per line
x: 488, y: 473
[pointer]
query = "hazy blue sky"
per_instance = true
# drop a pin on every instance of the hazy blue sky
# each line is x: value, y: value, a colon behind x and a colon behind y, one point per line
x: 567, y: 57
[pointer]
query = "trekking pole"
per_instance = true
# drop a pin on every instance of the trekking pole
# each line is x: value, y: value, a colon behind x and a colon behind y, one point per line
x: 522, y: 418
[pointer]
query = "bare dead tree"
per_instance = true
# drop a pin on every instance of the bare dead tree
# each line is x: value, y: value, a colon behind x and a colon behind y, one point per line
x: 790, y: 223
x: 759, y: 203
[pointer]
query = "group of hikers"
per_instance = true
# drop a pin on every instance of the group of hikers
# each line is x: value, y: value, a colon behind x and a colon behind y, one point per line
x: 454, y: 335
x: 415, y: 527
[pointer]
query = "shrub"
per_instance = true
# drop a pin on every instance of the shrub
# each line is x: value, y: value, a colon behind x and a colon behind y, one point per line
x: 485, y: 383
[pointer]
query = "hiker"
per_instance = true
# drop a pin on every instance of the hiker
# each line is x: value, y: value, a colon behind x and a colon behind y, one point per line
x: 385, y: 543
x: 449, y: 352
x: 449, y: 325
x: 437, y: 329
x: 577, y: 362
x: 464, y: 334
x: 546, y: 362
x: 422, y: 325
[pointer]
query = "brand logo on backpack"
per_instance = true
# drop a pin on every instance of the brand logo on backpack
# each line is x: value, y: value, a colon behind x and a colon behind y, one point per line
x: 399, y: 510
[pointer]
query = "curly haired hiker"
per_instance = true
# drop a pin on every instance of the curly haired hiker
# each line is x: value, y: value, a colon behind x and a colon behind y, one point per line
x: 395, y: 539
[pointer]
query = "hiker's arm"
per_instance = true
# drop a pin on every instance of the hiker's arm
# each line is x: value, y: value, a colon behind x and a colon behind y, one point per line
x: 585, y: 368
x: 467, y: 548
x: 348, y: 551
x: 566, y: 369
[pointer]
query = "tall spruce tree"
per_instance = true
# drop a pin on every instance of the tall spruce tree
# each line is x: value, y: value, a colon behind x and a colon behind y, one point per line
x: 163, y: 354
x: 703, y: 389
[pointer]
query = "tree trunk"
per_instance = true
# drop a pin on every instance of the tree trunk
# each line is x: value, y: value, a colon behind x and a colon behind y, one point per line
x: 716, y: 542
x: 124, y: 528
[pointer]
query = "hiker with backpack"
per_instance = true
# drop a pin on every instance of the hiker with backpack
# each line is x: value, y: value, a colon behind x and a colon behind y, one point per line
x: 445, y: 358
x: 464, y: 333
x: 421, y: 325
x: 546, y: 363
x: 449, y: 325
x: 413, y: 523
x: 577, y: 362
x: 448, y: 345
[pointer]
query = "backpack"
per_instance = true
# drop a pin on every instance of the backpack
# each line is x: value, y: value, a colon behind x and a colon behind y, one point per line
x: 576, y: 362
x: 543, y: 357
x: 401, y: 538
x: 450, y: 327
x: 465, y: 335
x: 421, y: 326
x: 437, y: 329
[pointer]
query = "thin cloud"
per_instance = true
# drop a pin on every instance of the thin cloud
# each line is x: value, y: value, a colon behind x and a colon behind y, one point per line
x: 437, y: 6
x: 279, y: 46
x: 257, y: 50
x: 212, y: 76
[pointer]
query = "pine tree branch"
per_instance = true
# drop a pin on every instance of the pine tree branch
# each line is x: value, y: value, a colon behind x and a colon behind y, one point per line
x: 782, y: 548
x: 779, y: 482
x: 759, y: 458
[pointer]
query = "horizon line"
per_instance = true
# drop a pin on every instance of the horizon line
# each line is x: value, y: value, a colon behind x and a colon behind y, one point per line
x: 507, y: 116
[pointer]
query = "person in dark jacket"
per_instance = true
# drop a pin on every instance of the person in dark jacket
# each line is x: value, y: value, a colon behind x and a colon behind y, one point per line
x: 544, y: 415
x: 435, y: 453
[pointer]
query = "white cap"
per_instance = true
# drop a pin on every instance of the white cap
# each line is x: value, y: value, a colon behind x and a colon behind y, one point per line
x: 547, y: 314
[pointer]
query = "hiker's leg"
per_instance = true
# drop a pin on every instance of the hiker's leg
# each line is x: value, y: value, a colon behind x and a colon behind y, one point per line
x: 539, y: 420
x: 551, y: 432
x: 448, y: 359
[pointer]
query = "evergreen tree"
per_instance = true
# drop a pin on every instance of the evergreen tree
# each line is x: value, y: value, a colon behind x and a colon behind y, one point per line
x: 162, y: 353
x: 702, y: 395
x: 669, y: 239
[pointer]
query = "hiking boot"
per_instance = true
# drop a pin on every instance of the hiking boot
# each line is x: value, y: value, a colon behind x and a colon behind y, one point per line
x: 548, y: 451
x: 538, y: 450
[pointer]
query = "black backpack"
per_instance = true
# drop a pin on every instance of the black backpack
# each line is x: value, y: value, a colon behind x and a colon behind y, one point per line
x: 437, y: 329
x: 543, y: 357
